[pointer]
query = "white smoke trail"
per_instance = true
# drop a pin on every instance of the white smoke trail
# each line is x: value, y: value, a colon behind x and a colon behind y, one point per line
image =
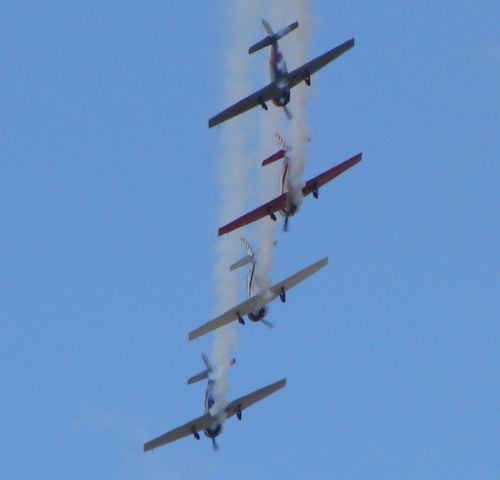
x: 300, y: 131
x: 237, y: 159
x: 295, y: 51
x: 234, y: 165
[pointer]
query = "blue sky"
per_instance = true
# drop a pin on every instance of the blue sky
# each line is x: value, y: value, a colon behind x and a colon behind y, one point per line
x: 109, y: 198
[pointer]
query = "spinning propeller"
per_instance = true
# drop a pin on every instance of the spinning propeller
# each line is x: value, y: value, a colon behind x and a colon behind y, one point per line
x: 267, y: 323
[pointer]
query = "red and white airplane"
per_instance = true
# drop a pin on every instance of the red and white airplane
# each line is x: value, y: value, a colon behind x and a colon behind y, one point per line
x: 278, y: 91
x: 287, y: 203
x: 211, y: 422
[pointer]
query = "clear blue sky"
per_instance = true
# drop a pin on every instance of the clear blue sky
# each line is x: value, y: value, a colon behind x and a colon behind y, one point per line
x: 108, y: 204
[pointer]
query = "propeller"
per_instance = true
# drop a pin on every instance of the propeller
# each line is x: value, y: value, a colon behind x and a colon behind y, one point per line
x: 285, y: 224
x: 267, y: 323
x: 214, y: 444
x: 287, y: 112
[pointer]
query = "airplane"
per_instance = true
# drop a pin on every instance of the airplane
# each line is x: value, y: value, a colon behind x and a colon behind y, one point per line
x: 278, y: 91
x: 252, y: 282
x: 286, y: 203
x: 255, y: 306
x: 211, y: 422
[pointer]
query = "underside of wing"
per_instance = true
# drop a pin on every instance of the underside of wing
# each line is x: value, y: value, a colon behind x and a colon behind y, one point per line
x: 268, y: 209
x: 242, y: 309
x: 306, y: 70
x: 316, y: 182
x: 201, y: 423
x: 290, y: 282
x: 248, y: 400
x: 258, y: 98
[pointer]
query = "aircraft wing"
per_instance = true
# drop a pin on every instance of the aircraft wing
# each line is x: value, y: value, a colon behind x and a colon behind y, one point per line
x: 316, y: 182
x: 257, y: 301
x: 295, y: 279
x: 200, y: 423
x: 258, y: 98
x: 243, y: 308
x: 248, y: 400
x: 260, y: 212
x: 306, y: 70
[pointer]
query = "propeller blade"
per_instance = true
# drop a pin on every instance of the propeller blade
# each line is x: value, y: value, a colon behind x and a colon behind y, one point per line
x: 214, y: 444
x: 287, y: 112
x: 285, y: 225
x: 267, y: 323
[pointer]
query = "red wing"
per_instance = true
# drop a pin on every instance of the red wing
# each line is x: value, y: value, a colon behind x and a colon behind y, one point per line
x: 263, y: 211
x: 325, y: 177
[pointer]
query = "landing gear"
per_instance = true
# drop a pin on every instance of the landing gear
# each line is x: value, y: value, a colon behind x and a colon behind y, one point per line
x: 308, y: 80
x: 315, y: 193
x: 263, y: 104
x: 283, y: 295
x: 238, y: 414
x: 240, y: 318
x: 195, y: 433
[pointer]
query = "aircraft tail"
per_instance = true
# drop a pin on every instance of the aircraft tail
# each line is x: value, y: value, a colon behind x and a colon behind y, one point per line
x: 204, y: 373
x: 279, y: 154
x: 249, y: 258
x: 272, y: 37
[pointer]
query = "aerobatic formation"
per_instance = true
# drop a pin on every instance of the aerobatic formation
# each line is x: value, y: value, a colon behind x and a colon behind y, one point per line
x: 256, y: 306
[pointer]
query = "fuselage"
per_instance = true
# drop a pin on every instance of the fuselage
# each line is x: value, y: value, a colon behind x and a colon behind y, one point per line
x: 290, y: 206
x: 279, y: 75
x: 262, y: 311
x: 215, y: 428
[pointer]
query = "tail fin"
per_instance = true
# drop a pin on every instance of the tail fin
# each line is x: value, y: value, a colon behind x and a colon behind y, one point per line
x: 246, y: 259
x: 279, y: 154
x: 205, y: 373
x: 271, y: 36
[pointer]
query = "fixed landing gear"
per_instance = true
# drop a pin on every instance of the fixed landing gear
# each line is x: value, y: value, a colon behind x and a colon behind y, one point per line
x: 238, y: 414
x: 308, y: 80
x: 195, y: 433
x: 283, y: 295
x: 315, y: 193
x: 240, y: 318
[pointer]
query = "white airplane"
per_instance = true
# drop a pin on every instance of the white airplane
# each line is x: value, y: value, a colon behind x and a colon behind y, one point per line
x: 255, y: 306
x: 211, y: 422
x: 282, y: 81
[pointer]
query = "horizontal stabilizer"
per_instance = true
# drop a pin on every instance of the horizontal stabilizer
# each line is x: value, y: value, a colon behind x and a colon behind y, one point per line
x: 205, y: 373
x: 199, y: 376
x: 271, y: 39
x: 244, y: 261
x: 273, y: 158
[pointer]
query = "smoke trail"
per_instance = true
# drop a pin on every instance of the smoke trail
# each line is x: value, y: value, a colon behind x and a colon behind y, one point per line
x: 300, y: 131
x: 296, y: 52
x: 237, y: 158
x: 234, y: 165
x: 269, y: 177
